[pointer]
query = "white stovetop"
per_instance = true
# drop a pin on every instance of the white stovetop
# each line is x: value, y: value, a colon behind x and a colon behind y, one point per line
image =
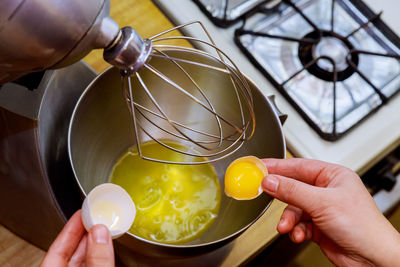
x: 361, y: 147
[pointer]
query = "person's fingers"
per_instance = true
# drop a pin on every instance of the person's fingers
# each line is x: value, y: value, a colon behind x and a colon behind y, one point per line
x: 290, y: 217
x: 301, y: 232
x: 312, y: 172
x: 291, y: 191
x: 79, y: 257
x: 100, y: 250
x: 309, y: 230
x: 66, y: 242
x: 298, y: 234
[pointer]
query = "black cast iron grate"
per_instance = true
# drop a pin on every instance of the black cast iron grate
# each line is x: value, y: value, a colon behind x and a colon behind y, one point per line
x: 310, y: 62
x: 224, y: 20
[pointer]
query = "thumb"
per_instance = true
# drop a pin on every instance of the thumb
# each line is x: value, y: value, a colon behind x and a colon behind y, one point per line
x: 100, y: 250
x: 291, y: 191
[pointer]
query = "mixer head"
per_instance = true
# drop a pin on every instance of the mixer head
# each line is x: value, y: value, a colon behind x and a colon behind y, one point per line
x: 179, y: 94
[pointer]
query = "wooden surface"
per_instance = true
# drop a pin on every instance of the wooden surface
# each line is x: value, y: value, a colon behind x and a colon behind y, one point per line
x: 257, y: 237
x: 16, y: 252
x: 147, y: 21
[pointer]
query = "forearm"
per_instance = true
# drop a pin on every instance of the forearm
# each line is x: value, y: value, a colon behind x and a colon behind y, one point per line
x: 385, y: 250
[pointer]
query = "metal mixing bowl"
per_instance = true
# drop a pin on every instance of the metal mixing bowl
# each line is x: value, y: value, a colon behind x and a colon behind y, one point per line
x: 101, y: 131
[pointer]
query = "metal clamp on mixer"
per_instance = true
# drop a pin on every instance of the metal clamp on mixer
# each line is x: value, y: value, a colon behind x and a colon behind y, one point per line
x: 129, y: 51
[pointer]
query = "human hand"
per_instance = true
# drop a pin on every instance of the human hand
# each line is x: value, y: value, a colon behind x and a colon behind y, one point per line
x: 74, y: 247
x: 330, y: 205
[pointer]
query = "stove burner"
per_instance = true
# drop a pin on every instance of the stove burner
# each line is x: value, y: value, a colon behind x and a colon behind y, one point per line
x: 334, y: 48
x: 330, y: 45
x: 336, y: 64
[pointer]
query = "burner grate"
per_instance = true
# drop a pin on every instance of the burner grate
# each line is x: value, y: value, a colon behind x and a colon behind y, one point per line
x: 329, y: 56
x: 224, y: 13
x: 327, y: 42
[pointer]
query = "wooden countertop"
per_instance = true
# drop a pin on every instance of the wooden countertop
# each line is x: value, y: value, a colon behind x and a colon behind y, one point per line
x: 148, y: 20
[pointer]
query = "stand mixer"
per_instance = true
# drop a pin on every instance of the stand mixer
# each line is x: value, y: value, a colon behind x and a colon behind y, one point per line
x: 38, y: 35
x: 45, y: 34
x: 60, y: 34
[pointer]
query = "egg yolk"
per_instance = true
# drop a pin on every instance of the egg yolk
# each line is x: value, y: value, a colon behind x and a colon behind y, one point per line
x: 242, y: 180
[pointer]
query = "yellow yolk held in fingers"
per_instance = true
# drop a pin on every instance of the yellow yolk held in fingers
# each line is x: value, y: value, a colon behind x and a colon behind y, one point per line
x: 243, y: 178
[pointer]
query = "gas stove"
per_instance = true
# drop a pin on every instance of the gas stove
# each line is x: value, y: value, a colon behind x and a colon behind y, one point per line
x: 336, y: 76
x: 329, y: 60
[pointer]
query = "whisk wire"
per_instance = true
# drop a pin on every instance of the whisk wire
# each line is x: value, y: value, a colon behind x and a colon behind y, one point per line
x: 138, y: 107
x: 194, y: 162
x: 126, y: 79
x: 186, y: 25
x: 199, y: 90
x: 202, y: 155
x: 229, y: 69
x: 217, y: 144
x: 234, y: 71
x: 215, y: 68
x: 160, y: 109
x: 169, y: 81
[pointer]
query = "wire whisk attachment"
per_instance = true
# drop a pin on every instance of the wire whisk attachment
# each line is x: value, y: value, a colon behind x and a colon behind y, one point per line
x: 183, y: 90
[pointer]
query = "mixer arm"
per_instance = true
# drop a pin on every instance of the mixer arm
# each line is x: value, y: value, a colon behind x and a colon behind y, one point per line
x: 45, y: 34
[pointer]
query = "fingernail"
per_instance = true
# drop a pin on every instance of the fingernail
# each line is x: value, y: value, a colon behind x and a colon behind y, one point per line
x: 282, y: 222
x: 271, y: 184
x: 100, y: 234
x: 298, y: 235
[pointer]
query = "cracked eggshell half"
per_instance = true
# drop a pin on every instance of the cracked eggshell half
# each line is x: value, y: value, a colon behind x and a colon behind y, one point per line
x: 111, y: 205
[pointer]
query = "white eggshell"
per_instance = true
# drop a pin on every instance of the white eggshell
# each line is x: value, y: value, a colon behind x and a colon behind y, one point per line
x: 114, y: 196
